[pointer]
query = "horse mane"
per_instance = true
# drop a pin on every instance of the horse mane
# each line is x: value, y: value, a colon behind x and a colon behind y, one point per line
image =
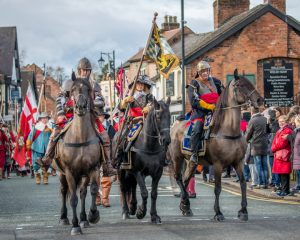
x: 219, y: 113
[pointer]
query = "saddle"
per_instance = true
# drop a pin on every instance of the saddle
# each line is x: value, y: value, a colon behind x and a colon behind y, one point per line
x: 135, y: 128
x: 186, y: 142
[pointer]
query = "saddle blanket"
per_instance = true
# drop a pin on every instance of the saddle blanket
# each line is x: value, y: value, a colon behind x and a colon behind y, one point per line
x: 186, y: 142
x: 134, y: 131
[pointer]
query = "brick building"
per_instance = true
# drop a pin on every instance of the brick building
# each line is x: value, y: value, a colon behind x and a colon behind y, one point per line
x: 52, y: 88
x: 262, y: 42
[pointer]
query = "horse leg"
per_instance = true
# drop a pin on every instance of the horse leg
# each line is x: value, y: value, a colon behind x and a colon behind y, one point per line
x: 153, y: 212
x: 83, y: 190
x: 218, y: 172
x: 94, y: 215
x: 142, y: 209
x: 64, y: 191
x: 124, y: 193
x: 185, y: 202
x: 133, y: 201
x: 243, y: 213
x: 73, y: 202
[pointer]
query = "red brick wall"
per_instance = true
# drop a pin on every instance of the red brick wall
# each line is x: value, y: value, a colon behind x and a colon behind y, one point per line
x: 267, y: 37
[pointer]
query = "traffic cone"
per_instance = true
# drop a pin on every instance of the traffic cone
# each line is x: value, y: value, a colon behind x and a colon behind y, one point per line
x: 106, y: 186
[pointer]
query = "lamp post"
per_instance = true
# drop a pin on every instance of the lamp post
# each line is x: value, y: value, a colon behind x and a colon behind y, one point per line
x: 183, y: 56
x: 111, y: 69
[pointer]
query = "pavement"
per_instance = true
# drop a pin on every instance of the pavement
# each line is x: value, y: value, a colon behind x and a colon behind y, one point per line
x: 230, y: 184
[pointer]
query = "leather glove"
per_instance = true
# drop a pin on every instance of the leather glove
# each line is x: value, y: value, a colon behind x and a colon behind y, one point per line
x: 125, y: 101
x: 146, y: 109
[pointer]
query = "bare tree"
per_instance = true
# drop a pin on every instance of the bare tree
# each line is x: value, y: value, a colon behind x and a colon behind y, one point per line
x: 22, y: 57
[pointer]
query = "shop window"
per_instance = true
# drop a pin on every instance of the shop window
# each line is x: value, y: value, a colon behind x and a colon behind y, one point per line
x: 170, y: 90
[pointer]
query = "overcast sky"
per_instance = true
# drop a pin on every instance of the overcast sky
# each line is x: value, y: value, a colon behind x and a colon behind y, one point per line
x: 60, y: 32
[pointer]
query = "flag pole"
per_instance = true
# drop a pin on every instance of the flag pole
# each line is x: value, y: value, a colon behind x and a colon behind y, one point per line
x: 134, y: 84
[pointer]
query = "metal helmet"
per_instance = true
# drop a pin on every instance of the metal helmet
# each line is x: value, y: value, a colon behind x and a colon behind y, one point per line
x: 202, y: 65
x: 67, y: 85
x: 85, y: 64
x: 145, y: 80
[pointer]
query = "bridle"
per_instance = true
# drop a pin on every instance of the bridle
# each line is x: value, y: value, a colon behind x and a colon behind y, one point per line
x: 157, y: 129
x: 248, y: 96
x: 84, y: 98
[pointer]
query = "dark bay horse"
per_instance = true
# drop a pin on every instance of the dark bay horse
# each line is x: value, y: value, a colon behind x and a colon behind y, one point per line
x: 225, y: 147
x: 148, y: 155
x: 79, y: 158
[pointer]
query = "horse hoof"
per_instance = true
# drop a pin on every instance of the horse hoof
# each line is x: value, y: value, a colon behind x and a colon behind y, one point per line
x: 132, y: 211
x: 188, y: 213
x: 84, y: 224
x: 76, y: 231
x: 64, y: 221
x: 125, y: 216
x: 94, y: 217
x: 243, y: 216
x: 219, y: 217
x: 141, y: 213
x: 155, y: 219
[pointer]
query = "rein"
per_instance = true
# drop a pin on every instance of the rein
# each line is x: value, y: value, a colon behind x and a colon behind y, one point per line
x: 225, y: 137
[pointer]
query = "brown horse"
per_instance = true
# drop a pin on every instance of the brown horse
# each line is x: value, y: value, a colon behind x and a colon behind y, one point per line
x: 79, y: 158
x: 225, y: 147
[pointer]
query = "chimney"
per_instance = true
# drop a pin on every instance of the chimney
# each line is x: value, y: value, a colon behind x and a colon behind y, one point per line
x: 279, y: 4
x: 170, y: 23
x: 226, y: 9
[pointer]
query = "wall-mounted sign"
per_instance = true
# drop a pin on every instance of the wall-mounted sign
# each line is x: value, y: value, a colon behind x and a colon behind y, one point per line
x: 278, y: 83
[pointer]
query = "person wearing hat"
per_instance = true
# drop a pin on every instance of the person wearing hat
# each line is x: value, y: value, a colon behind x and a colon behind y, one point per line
x: 65, y: 106
x: 3, y: 148
x: 37, y: 141
x: 140, y: 104
x: 203, y: 93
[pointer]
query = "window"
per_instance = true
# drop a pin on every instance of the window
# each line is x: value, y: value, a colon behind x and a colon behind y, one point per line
x: 170, y: 85
x: 179, y: 85
x: 250, y: 77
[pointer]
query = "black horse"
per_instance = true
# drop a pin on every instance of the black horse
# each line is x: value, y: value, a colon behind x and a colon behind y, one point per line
x: 148, y: 156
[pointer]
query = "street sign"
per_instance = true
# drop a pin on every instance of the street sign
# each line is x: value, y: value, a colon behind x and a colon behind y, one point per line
x: 278, y: 83
x: 14, y: 94
x: 8, y: 118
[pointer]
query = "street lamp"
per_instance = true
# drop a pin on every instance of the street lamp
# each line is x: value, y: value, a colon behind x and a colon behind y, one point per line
x: 111, y: 68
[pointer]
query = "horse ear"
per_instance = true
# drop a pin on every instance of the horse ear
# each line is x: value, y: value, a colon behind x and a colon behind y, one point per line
x: 156, y: 104
x: 169, y: 101
x: 236, y: 74
x: 73, y: 76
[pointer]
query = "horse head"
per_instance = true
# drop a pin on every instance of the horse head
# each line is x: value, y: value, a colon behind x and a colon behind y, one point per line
x: 244, y: 91
x: 162, y: 120
x: 81, y: 94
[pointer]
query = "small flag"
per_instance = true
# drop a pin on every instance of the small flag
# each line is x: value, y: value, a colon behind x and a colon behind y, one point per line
x: 27, y: 119
x: 119, y: 82
x: 160, y: 51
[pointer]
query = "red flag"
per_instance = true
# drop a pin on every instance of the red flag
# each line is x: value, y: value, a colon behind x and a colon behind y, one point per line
x: 27, y: 119
x: 119, y: 82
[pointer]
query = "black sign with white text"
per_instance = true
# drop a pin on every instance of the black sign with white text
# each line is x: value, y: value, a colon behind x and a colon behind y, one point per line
x: 278, y: 83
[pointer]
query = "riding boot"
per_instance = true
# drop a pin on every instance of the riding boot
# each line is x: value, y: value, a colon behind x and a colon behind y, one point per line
x: 50, y: 152
x: 38, y: 178
x: 98, y: 196
x: 196, y: 140
x: 106, y: 165
x: 1, y: 175
x: 106, y: 186
x: 45, y: 177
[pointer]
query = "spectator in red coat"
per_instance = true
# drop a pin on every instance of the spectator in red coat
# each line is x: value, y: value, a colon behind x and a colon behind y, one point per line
x: 281, y: 147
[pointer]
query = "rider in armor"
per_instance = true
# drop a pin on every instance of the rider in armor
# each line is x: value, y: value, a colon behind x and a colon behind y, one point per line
x: 139, y: 105
x: 203, y: 93
x: 65, y: 112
